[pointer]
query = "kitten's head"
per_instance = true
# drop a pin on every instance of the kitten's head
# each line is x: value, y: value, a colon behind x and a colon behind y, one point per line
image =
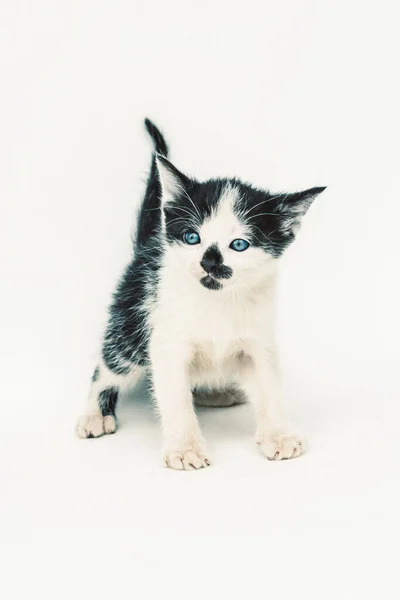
x: 224, y: 232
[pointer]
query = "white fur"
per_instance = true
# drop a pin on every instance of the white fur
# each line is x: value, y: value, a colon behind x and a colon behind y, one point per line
x: 216, y: 339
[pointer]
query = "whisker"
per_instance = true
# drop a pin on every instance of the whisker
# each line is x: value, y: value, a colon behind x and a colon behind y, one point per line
x: 263, y: 234
x: 262, y: 214
x: 254, y: 207
x: 183, y: 209
x: 183, y: 220
x: 193, y: 204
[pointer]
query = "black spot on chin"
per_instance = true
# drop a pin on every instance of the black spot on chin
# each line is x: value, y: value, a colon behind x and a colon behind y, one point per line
x: 210, y: 283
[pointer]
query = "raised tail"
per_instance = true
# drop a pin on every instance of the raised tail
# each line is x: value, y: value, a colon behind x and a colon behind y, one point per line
x: 160, y: 145
x: 149, y: 217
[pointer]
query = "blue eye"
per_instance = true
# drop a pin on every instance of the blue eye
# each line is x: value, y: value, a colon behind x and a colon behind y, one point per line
x: 191, y: 237
x: 239, y: 245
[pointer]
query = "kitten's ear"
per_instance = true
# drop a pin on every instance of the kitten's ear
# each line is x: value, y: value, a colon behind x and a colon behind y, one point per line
x: 172, y: 181
x: 293, y: 207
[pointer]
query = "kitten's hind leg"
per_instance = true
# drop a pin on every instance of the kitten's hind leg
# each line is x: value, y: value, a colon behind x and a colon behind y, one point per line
x: 99, y: 417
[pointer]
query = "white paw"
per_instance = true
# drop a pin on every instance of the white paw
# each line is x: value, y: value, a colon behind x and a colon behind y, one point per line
x: 186, y: 460
x: 282, y: 446
x: 92, y: 426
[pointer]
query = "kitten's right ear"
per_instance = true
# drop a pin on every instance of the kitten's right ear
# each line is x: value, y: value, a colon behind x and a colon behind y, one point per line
x: 172, y: 181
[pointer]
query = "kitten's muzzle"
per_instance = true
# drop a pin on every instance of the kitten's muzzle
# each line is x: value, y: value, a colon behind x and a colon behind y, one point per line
x: 214, y: 269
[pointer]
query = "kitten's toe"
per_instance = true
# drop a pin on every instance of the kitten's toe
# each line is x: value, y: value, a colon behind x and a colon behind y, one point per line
x: 282, y: 446
x: 195, y: 460
x: 174, y: 460
x: 187, y: 460
x: 93, y: 426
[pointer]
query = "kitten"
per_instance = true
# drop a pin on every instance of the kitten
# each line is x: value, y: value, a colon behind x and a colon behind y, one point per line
x: 195, y: 309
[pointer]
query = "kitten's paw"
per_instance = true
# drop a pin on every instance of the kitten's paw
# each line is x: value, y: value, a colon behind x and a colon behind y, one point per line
x: 282, y: 446
x: 93, y: 426
x: 186, y: 460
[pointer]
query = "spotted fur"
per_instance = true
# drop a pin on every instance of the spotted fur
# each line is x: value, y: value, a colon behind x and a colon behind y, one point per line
x: 201, y: 316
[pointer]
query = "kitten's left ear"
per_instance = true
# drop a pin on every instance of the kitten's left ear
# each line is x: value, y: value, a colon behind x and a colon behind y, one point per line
x: 293, y: 207
x: 172, y: 181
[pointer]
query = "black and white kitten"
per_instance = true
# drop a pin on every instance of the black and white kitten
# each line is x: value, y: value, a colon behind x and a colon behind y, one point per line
x: 195, y: 309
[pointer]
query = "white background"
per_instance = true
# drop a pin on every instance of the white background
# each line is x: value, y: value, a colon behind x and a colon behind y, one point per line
x: 288, y: 95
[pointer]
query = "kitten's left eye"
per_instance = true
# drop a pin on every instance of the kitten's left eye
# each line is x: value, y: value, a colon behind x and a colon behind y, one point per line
x: 191, y: 237
x: 239, y: 245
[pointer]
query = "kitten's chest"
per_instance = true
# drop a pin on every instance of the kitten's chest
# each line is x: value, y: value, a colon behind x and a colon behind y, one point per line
x: 225, y: 328
x: 218, y: 338
x: 211, y: 321
x: 215, y: 320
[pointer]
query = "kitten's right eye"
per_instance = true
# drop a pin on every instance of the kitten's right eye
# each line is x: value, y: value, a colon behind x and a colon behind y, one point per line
x: 191, y: 237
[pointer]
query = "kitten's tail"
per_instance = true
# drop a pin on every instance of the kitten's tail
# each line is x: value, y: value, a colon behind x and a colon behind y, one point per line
x: 160, y: 145
x: 149, y: 216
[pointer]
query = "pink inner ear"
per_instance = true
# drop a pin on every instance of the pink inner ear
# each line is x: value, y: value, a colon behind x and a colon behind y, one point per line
x: 170, y: 184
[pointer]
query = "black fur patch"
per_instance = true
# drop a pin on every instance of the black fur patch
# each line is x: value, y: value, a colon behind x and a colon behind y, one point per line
x: 160, y: 144
x: 212, y: 263
x: 108, y: 401
x: 212, y: 257
x: 210, y: 283
x: 272, y: 217
x: 223, y: 272
x: 126, y: 338
x: 96, y: 374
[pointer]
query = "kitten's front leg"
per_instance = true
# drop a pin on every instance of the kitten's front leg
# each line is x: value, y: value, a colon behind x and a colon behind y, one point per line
x: 183, y: 444
x: 274, y: 436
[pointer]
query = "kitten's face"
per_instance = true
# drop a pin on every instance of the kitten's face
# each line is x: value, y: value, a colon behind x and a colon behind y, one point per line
x: 226, y: 233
